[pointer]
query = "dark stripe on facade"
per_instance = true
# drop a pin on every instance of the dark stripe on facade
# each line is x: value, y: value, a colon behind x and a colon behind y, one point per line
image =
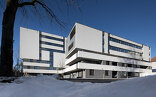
x: 51, y: 60
x: 153, y: 70
x: 54, y: 50
x: 50, y: 37
x: 103, y: 42
x: 63, y: 43
x: 53, y: 44
x: 124, y: 43
x: 122, y: 50
x: 40, y: 55
x: 36, y: 61
x: 108, y: 42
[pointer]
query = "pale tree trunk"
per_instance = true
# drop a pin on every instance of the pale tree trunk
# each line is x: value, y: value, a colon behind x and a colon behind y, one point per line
x: 7, y: 38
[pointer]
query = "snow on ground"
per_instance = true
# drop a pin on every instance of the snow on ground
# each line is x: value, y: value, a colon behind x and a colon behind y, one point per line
x: 48, y: 86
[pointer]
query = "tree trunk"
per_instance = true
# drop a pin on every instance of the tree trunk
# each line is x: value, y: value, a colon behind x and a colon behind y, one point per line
x: 7, y: 38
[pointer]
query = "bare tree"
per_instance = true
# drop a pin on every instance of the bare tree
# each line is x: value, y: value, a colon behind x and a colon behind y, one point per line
x: 9, y: 16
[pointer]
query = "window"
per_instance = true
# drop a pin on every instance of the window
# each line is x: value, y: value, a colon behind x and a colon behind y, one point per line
x: 123, y: 65
x: 107, y: 62
x: 72, y: 33
x: 91, y: 72
x: 36, y: 67
x: 130, y: 65
x: 106, y: 73
x: 28, y: 67
x: 70, y: 46
x: 114, y: 63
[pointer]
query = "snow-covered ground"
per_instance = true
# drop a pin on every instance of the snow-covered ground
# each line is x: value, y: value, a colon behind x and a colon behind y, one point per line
x: 48, y: 86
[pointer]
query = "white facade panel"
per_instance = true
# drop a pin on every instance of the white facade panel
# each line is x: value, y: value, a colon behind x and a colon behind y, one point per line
x: 153, y: 65
x: 108, y: 67
x: 58, y: 60
x: 88, y: 38
x: 51, y: 47
x: 52, y: 41
x: 71, y: 58
x: 29, y: 43
x: 135, y: 56
x: 51, y: 35
x: 146, y: 53
x: 45, y: 55
x: 104, y: 67
x: 36, y: 64
x: 111, y: 58
x: 71, y: 68
x: 105, y: 42
x: 40, y: 71
x: 124, y: 46
x: 114, y: 36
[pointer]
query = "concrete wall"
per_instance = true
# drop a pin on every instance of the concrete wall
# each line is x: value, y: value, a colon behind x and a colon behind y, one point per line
x: 88, y: 38
x: 59, y: 60
x: 146, y: 53
x: 106, y: 42
x: 29, y: 43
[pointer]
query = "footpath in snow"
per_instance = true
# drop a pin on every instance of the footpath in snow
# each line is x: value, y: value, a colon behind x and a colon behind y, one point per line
x: 48, y: 86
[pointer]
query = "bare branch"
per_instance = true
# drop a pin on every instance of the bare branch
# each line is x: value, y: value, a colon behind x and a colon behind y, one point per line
x: 27, y: 3
x: 46, y: 8
x: 51, y: 13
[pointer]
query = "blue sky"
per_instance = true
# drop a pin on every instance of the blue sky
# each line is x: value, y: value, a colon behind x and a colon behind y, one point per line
x: 132, y: 19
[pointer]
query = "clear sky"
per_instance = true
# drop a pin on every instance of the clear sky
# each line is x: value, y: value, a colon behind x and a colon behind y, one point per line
x: 131, y: 19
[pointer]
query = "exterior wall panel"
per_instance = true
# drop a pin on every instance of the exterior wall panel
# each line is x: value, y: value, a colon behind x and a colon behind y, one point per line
x: 29, y: 43
x: 88, y: 38
x: 45, y: 55
x: 36, y: 64
x: 146, y: 53
x: 59, y: 60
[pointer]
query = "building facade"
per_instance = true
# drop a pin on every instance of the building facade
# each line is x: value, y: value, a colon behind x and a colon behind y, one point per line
x: 86, y: 53
x: 41, y: 52
x: 92, y: 53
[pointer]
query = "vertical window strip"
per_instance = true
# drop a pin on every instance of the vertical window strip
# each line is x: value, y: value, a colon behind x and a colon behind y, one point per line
x: 103, y: 42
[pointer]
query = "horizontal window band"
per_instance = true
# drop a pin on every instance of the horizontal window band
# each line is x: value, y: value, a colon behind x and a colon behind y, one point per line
x: 38, y: 68
x: 86, y: 50
x: 123, y: 50
x: 51, y: 47
x: 124, y: 43
x: 153, y: 70
x: 54, y: 44
x: 51, y: 41
x: 54, y: 38
x: 53, y: 50
x: 36, y: 61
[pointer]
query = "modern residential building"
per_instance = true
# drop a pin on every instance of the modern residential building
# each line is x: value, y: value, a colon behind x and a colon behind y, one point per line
x: 86, y: 53
x: 92, y: 53
x: 41, y: 52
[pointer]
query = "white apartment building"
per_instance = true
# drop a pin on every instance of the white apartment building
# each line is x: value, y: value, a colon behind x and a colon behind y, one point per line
x: 86, y: 53
x: 92, y: 53
x: 41, y: 52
